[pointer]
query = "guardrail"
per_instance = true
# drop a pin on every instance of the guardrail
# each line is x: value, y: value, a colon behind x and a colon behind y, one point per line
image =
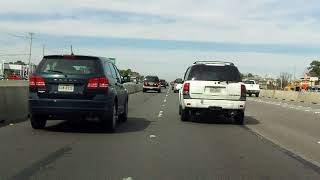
x: 14, y: 99
x: 307, y: 97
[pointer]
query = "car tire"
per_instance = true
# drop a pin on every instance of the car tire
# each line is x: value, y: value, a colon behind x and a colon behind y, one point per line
x: 144, y: 90
x: 250, y: 95
x: 110, y: 119
x: 38, y: 122
x: 159, y: 91
x: 180, y: 109
x: 124, y: 116
x: 184, y: 115
x: 257, y: 95
x: 239, y: 118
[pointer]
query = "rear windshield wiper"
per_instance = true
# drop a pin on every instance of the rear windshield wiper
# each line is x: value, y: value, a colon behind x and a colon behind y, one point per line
x: 60, y: 72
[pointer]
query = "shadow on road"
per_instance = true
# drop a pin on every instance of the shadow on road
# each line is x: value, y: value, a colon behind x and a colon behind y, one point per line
x: 214, y: 119
x: 132, y: 125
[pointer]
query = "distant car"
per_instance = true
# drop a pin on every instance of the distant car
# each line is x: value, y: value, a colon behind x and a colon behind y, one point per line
x: 177, y: 85
x: 163, y: 83
x: 213, y: 86
x: 14, y: 77
x: 77, y: 87
x: 152, y: 83
x: 252, y: 87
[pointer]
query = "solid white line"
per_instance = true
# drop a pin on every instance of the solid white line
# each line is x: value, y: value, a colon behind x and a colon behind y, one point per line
x: 307, y: 110
x: 317, y: 112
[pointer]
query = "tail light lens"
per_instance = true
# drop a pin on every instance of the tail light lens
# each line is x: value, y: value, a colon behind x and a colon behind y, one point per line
x: 101, y: 82
x: 186, y: 88
x: 243, y: 91
x: 145, y: 83
x: 36, y: 81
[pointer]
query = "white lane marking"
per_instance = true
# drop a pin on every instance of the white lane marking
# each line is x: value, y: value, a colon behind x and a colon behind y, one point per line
x: 127, y: 178
x: 163, y: 105
x: 160, y: 114
x: 165, y: 100
x: 318, y: 142
x: 11, y: 124
x: 317, y: 112
x: 307, y: 110
x: 152, y: 136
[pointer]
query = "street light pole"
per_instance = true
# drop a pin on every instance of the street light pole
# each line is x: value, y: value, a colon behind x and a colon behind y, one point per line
x: 30, y: 51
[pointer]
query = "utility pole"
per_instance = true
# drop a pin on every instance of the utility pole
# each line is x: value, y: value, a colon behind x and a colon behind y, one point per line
x: 43, y: 47
x: 30, y: 51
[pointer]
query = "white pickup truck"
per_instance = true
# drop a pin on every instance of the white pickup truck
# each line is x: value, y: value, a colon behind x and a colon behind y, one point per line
x: 252, y: 87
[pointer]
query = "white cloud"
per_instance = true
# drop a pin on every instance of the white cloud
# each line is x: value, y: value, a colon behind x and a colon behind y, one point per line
x: 247, y: 21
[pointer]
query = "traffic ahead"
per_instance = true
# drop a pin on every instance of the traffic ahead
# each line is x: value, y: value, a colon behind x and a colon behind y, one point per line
x: 203, y: 128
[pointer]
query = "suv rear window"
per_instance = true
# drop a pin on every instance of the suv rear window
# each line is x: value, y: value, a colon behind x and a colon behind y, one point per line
x: 214, y: 73
x: 67, y: 66
x: 178, y: 81
x: 151, y: 79
x: 248, y: 82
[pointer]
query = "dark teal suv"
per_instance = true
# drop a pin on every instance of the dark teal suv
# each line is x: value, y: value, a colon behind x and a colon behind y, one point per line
x: 77, y: 87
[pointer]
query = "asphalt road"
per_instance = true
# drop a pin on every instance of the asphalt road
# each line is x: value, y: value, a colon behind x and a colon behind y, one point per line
x: 155, y: 145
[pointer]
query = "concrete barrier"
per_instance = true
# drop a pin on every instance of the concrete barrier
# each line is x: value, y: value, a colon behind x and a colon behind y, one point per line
x: 306, y: 97
x: 14, y: 99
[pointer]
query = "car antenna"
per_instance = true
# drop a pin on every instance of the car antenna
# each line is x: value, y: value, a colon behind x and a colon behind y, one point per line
x: 71, y: 51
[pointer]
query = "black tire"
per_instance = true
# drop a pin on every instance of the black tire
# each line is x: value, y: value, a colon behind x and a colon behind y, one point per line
x: 165, y: 87
x: 38, y: 122
x: 184, y: 114
x: 144, y: 90
x: 250, y: 95
x: 110, y: 119
x: 180, y: 109
x: 239, y: 118
x: 159, y: 91
x: 257, y: 95
x: 124, y: 116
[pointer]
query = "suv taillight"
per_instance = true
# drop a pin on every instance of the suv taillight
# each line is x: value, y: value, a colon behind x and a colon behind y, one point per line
x: 36, y: 81
x: 243, y: 91
x: 146, y: 83
x: 186, y: 88
x: 101, y: 83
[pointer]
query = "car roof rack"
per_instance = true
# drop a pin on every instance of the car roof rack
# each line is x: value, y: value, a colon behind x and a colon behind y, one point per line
x: 214, y: 62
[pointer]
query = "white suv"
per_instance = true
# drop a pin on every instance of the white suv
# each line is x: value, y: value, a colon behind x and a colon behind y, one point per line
x: 213, y: 86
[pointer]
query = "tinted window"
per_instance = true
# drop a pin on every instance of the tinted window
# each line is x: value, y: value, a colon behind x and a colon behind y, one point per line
x: 66, y: 66
x: 151, y: 79
x: 113, y: 71
x: 214, y: 73
x: 178, y: 81
x: 248, y: 82
x: 117, y: 72
x: 107, y: 69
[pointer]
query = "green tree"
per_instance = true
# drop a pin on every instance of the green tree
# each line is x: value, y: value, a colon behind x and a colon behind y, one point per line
x: 250, y: 75
x: 314, y: 68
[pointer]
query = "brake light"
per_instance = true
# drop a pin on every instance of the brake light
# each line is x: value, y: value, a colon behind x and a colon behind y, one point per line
x: 145, y: 83
x: 36, y: 81
x: 186, y: 88
x: 101, y: 82
x: 243, y: 90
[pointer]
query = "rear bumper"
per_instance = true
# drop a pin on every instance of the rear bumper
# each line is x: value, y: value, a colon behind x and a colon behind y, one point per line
x: 214, y: 104
x: 152, y: 87
x: 67, y: 106
x: 253, y: 91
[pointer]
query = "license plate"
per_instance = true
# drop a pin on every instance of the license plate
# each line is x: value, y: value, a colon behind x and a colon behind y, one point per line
x: 212, y: 90
x: 66, y: 88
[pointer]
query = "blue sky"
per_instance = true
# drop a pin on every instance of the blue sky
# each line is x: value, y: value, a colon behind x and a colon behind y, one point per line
x: 261, y: 36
